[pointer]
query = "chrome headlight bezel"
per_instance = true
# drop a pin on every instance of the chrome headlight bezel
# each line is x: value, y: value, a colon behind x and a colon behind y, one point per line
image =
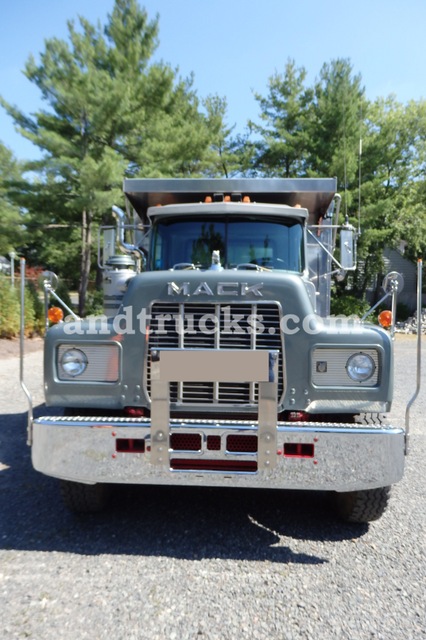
x: 74, y: 362
x: 360, y: 367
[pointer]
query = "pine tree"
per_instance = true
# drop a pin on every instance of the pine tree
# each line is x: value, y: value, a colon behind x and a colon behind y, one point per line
x: 11, y: 229
x: 110, y: 112
x: 284, y: 136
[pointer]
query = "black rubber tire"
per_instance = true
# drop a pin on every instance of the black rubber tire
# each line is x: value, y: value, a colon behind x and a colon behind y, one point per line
x: 84, y: 498
x: 362, y: 506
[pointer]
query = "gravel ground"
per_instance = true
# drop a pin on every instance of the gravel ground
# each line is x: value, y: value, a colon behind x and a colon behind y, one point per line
x: 184, y: 563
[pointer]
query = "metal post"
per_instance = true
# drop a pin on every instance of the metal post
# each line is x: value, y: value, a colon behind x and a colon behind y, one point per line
x: 21, y: 356
x: 419, y: 353
x: 393, y: 309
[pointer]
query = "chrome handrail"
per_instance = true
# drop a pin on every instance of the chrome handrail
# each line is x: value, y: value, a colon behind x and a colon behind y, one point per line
x: 419, y: 354
x: 21, y: 356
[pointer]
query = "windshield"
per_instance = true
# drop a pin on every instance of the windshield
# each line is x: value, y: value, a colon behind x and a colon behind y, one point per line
x: 243, y: 242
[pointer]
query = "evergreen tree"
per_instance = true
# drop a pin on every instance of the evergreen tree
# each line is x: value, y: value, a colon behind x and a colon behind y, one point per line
x: 392, y: 184
x: 334, y: 123
x: 284, y: 132
x: 11, y: 230
x: 109, y: 113
x: 318, y: 131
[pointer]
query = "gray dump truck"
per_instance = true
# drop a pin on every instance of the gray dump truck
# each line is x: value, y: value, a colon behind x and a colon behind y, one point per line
x: 216, y: 362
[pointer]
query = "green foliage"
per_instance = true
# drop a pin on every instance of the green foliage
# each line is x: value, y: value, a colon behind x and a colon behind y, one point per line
x: 110, y: 112
x: 334, y: 123
x: 310, y: 131
x: 10, y: 310
x: 11, y: 231
x: 349, y: 305
x: 402, y: 312
x: 34, y: 302
x: 284, y: 113
x: 63, y: 293
x: 317, y: 131
x: 95, y: 303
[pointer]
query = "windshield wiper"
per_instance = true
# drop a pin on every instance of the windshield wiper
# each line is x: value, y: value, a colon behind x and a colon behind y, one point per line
x: 252, y: 267
x: 184, y: 266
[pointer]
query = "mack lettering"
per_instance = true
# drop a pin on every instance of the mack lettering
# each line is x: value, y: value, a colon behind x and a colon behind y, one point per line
x: 222, y: 289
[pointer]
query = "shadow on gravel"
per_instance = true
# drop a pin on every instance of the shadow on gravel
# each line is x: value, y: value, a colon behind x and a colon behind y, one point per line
x: 179, y: 522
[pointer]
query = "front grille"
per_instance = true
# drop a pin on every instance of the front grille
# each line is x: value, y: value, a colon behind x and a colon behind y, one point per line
x: 215, y: 326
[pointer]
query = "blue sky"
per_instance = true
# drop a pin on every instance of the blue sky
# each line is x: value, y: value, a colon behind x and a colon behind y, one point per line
x: 234, y: 46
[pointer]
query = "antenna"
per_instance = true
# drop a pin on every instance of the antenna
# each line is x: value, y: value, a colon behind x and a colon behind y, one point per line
x: 359, y: 186
x: 359, y: 172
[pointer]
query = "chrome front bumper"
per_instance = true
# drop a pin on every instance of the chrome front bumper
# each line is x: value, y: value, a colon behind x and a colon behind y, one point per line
x: 262, y: 453
x: 314, y: 456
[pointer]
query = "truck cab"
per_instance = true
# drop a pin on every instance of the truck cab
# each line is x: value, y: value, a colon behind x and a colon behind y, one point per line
x: 217, y: 362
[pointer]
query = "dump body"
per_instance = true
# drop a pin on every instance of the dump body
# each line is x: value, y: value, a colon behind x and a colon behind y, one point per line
x: 221, y: 365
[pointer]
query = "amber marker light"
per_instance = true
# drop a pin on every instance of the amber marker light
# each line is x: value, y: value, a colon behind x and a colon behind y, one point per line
x: 385, y: 319
x: 55, y: 315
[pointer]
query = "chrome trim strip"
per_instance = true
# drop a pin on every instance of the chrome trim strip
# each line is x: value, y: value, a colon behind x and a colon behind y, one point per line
x: 336, y: 358
x: 104, y: 362
x: 355, y: 405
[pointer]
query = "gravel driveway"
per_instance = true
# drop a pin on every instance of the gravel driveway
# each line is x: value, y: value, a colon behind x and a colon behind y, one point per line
x: 184, y: 564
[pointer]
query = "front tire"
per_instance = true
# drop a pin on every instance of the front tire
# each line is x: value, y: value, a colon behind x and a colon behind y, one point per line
x: 362, y: 506
x: 84, y: 498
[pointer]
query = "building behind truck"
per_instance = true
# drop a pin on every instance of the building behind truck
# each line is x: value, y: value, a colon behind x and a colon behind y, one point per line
x: 217, y: 362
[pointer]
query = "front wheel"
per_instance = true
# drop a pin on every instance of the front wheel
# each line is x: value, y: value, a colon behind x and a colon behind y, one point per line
x: 362, y: 506
x: 84, y: 498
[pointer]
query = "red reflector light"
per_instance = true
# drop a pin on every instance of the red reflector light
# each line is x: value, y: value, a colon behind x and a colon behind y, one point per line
x: 213, y: 443
x: 298, y: 450
x: 185, y: 442
x: 243, y: 466
x: 241, y: 444
x: 134, y: 412
x: 130, y: 445
x: 298, y: 416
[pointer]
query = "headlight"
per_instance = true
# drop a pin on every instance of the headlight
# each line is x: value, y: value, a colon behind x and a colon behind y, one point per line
x: 360, y: 367
x: 74, y: 362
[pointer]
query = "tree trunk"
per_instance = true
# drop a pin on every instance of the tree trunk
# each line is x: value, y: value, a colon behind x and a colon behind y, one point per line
x: 86, y: 246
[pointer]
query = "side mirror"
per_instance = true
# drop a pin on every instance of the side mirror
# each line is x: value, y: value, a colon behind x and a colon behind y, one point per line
x: 49, y: 279
x: 393, y: 282
x: 347, y: 249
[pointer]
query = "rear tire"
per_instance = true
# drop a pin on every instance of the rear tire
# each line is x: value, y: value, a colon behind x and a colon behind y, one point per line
x: 362, y: 506
x: 84, y: 498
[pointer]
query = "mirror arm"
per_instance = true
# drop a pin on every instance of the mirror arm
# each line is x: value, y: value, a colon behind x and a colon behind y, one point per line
x: 324, y: 248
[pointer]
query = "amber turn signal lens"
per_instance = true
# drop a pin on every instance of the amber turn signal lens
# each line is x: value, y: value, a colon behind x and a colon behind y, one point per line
x: 55, y: 314
x: 385, y: 318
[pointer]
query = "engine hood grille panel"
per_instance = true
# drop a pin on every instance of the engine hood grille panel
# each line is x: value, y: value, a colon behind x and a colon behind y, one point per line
x: 215, y: 326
